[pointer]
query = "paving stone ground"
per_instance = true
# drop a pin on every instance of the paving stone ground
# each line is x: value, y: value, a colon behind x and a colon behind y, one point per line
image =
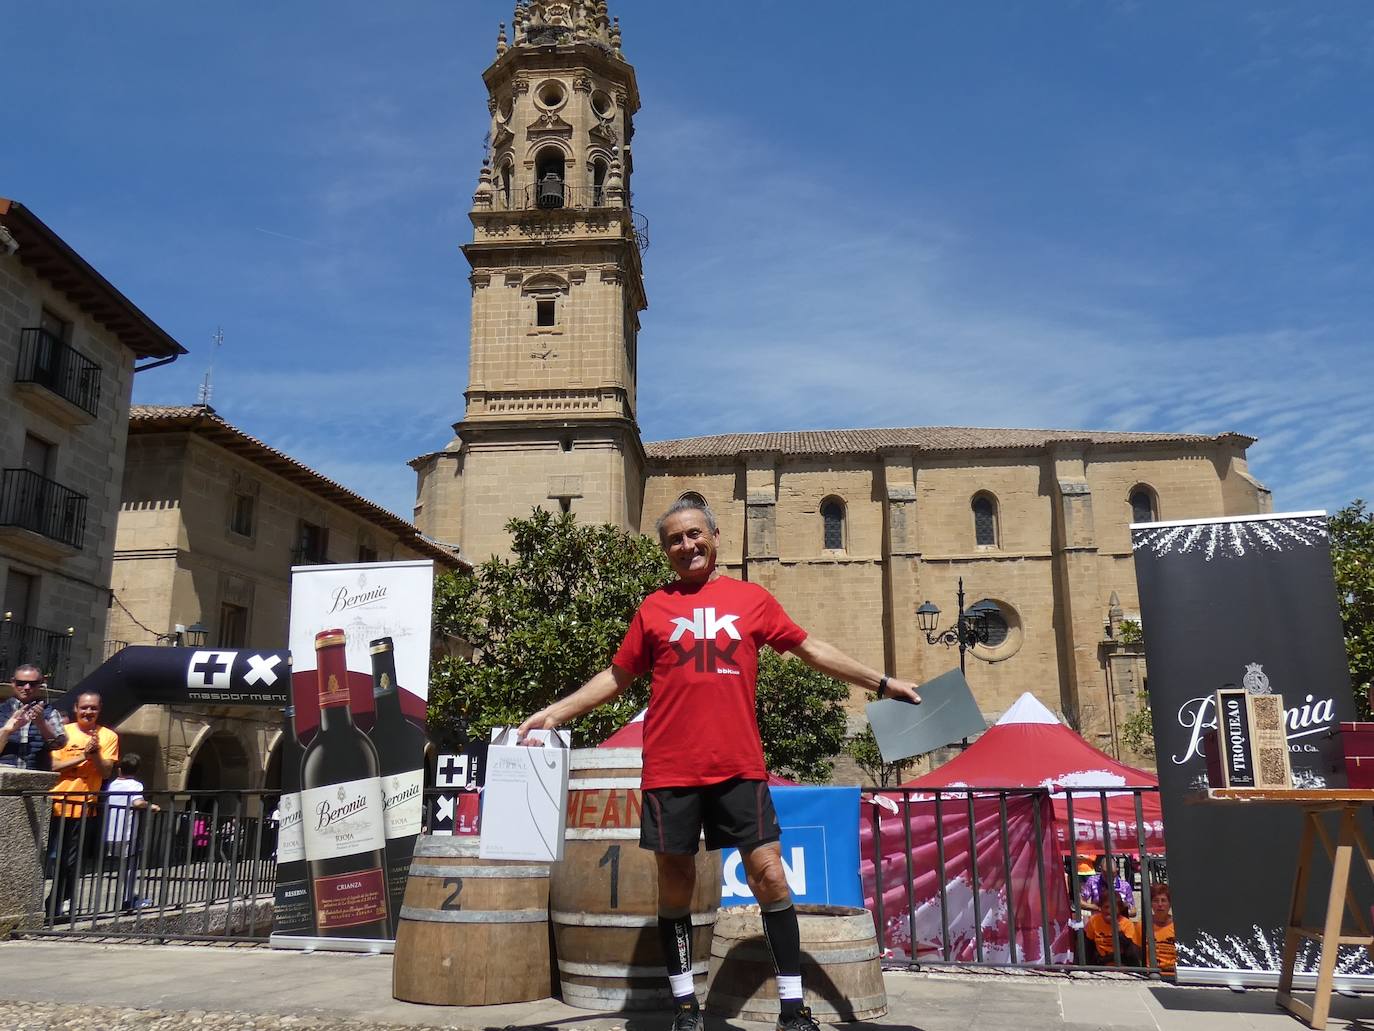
x: 86, y: 986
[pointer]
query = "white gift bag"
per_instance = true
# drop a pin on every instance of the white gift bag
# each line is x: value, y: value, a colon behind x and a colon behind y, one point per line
x: 525, y: 800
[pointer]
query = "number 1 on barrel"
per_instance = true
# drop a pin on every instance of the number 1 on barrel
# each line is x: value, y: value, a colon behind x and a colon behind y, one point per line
x: 612, y: 856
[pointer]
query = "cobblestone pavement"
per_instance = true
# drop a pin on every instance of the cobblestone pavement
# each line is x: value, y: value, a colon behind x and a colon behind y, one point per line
x: 69, y: 1017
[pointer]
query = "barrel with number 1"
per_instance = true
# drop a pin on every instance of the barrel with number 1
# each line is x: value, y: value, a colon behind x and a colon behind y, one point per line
x: 473, y: 931
x: 603, y: 897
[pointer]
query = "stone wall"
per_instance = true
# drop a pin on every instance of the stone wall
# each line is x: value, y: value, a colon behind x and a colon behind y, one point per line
x: 87, y: 457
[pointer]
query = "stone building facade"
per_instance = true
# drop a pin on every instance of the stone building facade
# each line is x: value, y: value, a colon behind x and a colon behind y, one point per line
x: 69, y: 342
x: 851, y: 529
x: 211, y: 521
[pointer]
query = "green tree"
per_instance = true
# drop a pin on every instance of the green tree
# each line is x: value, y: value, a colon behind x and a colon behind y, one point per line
x: 863, y: 749
x: 1352, y: 558
x: 801, y: 717
x: 541, y: 624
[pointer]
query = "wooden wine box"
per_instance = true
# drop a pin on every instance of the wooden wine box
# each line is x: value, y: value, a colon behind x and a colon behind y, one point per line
x: 1249, y: 748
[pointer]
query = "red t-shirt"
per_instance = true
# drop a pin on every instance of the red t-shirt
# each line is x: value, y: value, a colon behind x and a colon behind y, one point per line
x: 703, y: 645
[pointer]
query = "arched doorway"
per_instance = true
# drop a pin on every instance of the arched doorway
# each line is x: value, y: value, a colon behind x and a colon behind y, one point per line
x: 221, y: 764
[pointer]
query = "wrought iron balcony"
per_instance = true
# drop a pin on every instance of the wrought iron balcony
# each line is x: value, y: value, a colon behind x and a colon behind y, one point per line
x: 50, y: 362
x: 304, y: 555
x: 49, y: 650
x: 36, y: 503
x: 552, y: 194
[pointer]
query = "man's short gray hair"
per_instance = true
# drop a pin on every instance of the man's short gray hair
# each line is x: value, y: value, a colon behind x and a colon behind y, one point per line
x: 687, y: 503
x: 29, y: 667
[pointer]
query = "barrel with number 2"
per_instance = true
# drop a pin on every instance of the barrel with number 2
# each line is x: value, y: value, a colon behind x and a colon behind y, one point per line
x: 473, y: 931
x: 603, y: 897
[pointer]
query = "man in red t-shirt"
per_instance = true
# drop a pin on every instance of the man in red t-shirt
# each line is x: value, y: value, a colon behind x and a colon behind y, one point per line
x: 703, y: 758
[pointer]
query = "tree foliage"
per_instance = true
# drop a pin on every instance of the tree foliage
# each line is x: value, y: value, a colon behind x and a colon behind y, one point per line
x: 801, y: 717
x: 541, y: 624
x: 1352, y: 557
x: 863, y: 749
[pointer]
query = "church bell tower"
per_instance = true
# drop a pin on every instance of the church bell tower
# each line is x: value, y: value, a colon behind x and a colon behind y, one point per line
x: 557, y: 288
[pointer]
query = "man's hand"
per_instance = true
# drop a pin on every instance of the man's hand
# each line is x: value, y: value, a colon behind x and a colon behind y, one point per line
x: 541, y: 720
x: 903, y: 689
x: 92, y: 747
x: 20, y: 718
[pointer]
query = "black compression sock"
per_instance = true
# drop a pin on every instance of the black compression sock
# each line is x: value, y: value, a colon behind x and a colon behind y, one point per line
x: 675, y: 937
x: 783, y: 935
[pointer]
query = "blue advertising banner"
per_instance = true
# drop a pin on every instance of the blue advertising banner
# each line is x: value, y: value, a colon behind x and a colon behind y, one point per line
x: 820, y: 848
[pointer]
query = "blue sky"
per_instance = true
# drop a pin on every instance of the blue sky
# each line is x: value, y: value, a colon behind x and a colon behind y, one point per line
x: 1101, y: 215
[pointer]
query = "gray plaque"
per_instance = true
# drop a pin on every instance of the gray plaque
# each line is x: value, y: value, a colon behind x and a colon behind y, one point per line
x: 947, y: 713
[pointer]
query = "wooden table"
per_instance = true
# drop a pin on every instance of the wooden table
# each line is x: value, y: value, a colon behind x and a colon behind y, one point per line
x: 1314, y: 803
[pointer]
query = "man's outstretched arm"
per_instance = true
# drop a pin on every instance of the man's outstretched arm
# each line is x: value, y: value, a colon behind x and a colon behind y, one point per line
x: 606, y: 685
x: 830, y: 660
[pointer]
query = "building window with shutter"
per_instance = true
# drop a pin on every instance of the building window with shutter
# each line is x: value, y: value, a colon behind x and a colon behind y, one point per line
x: 832, y: 523
x: 1144, y: 507
x: 984, y: 521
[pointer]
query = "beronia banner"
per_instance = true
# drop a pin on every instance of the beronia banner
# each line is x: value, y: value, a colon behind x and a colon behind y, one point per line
x: 353, y: 758
x: 1250, y: 603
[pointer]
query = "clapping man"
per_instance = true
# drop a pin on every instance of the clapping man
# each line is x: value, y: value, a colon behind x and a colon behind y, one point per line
x: 85, y: 762
x: 30, y: 728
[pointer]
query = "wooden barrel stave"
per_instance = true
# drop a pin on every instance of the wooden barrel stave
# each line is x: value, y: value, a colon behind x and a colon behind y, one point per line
x: 842, y: 978
x: 604, y: 895
x: 472, y: 931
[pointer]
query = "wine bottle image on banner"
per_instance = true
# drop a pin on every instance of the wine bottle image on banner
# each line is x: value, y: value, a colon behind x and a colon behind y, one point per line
x: 341, y: 794
x: 292, y: 910
x: 400, y: 748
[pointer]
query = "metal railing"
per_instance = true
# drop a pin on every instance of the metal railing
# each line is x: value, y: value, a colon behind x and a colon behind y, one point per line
x: 44, y: 506
x: 49, y: 650
x: 51, y: 362
x: 974, y: 865
x: 187, y: 866
x: 557, y: 195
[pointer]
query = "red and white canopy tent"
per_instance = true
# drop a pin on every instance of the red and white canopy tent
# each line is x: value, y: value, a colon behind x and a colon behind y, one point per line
x: 1029, y: 747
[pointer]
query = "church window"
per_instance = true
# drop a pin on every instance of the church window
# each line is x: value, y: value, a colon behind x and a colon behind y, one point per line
x: 832, y: 519
x: 995, y: 623
x: 549, y: 177
x: 598, y: 183
x: 1143, y: 507
x: 505, y: 178
x: 546, y: 312
x: 985, y: 521
x: 551, y: 94
x: 602, y: 104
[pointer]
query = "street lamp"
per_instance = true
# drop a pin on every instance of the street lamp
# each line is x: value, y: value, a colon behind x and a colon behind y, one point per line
x: 197, y: 635
x: 970, y: 627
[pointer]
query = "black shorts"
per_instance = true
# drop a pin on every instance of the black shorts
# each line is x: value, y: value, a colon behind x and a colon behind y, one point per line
x: 734, y: 812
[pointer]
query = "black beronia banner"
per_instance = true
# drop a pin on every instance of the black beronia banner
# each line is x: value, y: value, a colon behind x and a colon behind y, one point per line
x: 1248, y: 602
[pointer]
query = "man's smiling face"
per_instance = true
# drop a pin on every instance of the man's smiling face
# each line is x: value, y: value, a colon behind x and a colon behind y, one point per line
x: 690, y: 545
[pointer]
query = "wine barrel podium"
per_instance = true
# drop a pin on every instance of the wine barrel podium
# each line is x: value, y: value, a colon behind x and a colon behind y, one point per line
x: 603, y: 896
x: 842, y: 975
x: 472, y: 932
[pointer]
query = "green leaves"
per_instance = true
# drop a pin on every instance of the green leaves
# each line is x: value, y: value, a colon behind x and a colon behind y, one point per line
x: 540, y: 625
x: 1352, y: 558
x: 801, y: 717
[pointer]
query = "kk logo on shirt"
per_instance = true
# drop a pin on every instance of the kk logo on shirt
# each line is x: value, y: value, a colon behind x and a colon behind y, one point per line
x: 704, y: 651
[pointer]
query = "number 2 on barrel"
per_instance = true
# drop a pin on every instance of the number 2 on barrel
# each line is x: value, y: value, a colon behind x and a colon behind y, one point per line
x: 612, y: 856
x: 451, y: 903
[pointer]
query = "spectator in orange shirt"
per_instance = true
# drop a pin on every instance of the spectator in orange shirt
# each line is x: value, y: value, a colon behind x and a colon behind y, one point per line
x: 84, y: 762
x: 1162, y: 926
x: 1104, y: 940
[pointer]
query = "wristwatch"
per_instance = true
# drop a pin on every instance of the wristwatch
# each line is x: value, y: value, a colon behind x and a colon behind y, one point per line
x: 882, y: 685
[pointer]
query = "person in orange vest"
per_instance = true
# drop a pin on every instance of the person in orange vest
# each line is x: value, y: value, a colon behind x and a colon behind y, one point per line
x: 84, y: 762
x: 1106, y: 942
x: 1162, y: 928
